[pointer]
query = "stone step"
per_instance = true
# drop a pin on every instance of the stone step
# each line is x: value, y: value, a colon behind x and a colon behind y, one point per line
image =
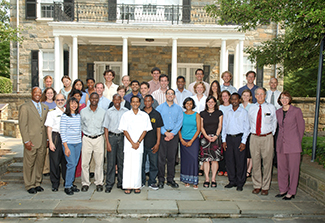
x: 15, y: 167
x: 13, y: 177
x: 18, y: 159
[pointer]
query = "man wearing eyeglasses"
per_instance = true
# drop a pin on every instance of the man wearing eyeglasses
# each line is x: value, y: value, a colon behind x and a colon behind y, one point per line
x: 56, y: 153
x: 172, y: 115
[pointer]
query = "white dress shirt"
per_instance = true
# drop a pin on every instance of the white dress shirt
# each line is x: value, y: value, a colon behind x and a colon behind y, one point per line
x: 200, y: 105
x: 53, y: 119
x: 269, y: 121
x: 276, y: 96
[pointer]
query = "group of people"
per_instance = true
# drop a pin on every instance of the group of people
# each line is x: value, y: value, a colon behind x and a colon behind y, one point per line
x: 143, y: 127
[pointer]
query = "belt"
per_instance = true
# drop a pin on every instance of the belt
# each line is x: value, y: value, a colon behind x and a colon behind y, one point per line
x: 92, y: 137
x: 169, y: 130
x: 55, y: 132
x: 115, y: 134
x: 262, y: 135
x: 239, y: 134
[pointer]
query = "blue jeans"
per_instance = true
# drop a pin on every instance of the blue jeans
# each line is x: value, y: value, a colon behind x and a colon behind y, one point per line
x: 153, y: 170
x: 72, y: 162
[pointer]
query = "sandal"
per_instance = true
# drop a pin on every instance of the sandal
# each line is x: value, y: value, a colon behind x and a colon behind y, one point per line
x: 195, y: 187
x: 225, y: 174
x: 249, y: 174
x: 127, y: 191
x: 206, y: 184
x: 137, y: 191
x: 187, y: 185
x: 220, y: 173
x: 213, y: 184
x: 201, y: 172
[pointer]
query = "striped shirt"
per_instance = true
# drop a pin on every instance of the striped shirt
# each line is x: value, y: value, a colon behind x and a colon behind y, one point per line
x: 70, y: 129
x: 160, y: 96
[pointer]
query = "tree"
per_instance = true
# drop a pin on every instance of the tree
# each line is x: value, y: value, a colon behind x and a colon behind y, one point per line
x: 7, y: 34
x: 303, y: 22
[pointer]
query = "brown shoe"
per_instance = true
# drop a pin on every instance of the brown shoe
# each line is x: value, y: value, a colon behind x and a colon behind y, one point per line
x: 256, y: 190
x: 264, y: 192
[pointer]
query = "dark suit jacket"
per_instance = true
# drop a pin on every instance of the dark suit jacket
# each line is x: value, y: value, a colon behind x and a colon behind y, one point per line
x: 291, y: 130
x: 31, y: 125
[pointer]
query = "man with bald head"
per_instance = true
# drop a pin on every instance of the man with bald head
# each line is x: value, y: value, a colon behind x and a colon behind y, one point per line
x: 32, y: 116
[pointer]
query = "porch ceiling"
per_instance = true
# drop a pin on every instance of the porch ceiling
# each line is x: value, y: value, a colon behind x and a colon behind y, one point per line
x: 113, y: 34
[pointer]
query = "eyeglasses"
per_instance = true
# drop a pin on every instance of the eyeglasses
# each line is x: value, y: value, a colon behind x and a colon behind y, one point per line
x: 59, y: 99
x: 170, y: 93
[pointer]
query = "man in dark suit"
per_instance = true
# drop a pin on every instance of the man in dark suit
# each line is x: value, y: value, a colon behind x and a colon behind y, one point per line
x: 32, y: 116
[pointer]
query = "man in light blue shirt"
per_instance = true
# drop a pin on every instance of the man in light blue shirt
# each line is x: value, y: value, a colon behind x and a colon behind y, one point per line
x: 92, y: 118
x: 172, y: 115
x: 181, y: 93
x: 103, y: 101
x: 235, y: 131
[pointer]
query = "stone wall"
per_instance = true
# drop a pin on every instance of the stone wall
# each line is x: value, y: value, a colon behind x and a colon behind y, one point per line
x: 143, y: 58
x: 14, y: 101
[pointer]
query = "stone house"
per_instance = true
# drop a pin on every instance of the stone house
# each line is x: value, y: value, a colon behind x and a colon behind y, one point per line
x: 83, y: 38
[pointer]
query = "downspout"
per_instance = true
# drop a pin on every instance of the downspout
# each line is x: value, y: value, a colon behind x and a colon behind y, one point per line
x: 17, y: 2
x: 276, y: 36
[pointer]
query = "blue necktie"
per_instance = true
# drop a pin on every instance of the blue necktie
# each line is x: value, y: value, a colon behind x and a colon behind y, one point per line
x: 39, y: 110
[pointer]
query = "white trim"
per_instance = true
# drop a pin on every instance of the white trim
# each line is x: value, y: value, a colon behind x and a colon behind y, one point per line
x: 110, y: 63
x: 188, y: 67
x: 40, y: 65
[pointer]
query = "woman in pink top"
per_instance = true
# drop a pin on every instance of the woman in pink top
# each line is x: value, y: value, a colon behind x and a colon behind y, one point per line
x: 288, y: 145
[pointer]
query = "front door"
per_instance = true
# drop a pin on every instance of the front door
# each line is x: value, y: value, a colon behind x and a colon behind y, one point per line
x: 100, y: 67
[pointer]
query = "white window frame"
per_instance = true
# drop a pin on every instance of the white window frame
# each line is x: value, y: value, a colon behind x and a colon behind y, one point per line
x: 39, y: 8
x: 188, y: 67
x: 110, y: 63
x: 247, y: 67
x: 40, y: 65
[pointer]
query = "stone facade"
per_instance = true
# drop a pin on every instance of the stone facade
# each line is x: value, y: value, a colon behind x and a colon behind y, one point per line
x: 11, y: 128
x: 3, y: 114
x: 37, y: 34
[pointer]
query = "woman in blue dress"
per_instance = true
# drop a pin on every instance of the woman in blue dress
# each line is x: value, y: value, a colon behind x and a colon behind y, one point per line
x: 190, y: 146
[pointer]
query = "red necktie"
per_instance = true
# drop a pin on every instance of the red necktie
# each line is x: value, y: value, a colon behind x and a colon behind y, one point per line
x: 259, y: 121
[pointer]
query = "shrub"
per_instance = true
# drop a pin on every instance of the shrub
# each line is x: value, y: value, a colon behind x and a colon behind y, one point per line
x: 5, y: 85
x: 307, y: 146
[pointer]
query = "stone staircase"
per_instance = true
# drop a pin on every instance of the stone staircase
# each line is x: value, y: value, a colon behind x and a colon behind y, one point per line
x: 14, y: 172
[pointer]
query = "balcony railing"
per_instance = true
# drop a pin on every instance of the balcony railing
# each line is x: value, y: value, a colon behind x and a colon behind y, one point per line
x: 122, y: 13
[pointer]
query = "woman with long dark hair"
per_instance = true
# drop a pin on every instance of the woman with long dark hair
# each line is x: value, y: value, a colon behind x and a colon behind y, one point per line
x: 70, y: 130
x: 210, y: 151
x: 215, y: 90
x: 79, y: 85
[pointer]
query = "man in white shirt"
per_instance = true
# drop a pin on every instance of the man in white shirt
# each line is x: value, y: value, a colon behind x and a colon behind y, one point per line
x: 180, y: 92
x: 56, y: 153
x: 199, y: 75
x: 110, y: 87
x: 135, y: 124
x: 273, y: 94
x: 262, y: 120
x: 226, y: 77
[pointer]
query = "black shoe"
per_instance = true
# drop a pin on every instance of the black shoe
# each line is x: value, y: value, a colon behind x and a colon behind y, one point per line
x: 230, y: 185
x: 119, y: 186
x: 74, y: 188
x: 288, y: 198
x: 91, y: 175
x: 46, y: 174
x: 108, y: 190
x: 239, y: 188
x: 32, y: 191
x: 281, y: 195
x: 84, y: 188
x: 173, y: 184
x: 68, y: 191
x: 54, y: 189
x: 99, y: 188
x: 39, y: 189
x: 161, y: 185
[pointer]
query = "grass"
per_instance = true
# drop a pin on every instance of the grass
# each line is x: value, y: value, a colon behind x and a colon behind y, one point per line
x: 307, y: 146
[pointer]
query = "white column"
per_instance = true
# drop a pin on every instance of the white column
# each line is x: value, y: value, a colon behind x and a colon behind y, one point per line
x: 125, y: 57
x: 57, y: 65
x: 236, y: 70
x: 38, y: 9
x: 61, y: 62
x: 174, y: 64
x: 223, y: 59
x: 241, y: 70
x: 74, y: 58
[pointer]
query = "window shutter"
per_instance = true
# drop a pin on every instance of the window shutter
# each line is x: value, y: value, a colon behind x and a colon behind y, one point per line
x: 30, y: 9
x: 66, y: 62
x: 111, y: 10
x: 90, y: 70
x: 231, y: 67
x: 186, y: 11
x: 169, y: 74
x: 206, y: 69
x: 259, y: 75
x: 34, y: 68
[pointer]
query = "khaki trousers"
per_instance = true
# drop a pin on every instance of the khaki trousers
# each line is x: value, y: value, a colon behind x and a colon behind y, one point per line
x: 92, y: 148
x: 261, y: 148
x: 46, y: 168
x: 33, y: 163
